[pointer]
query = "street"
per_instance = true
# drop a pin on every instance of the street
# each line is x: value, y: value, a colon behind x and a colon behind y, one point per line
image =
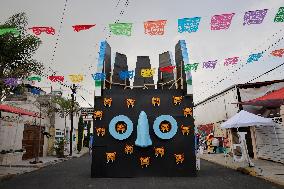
x: 75, y: 173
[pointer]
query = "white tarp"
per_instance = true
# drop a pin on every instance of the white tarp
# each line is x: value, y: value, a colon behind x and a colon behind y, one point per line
x: 245, y: 119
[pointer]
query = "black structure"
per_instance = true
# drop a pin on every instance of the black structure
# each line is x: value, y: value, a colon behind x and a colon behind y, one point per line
x: 107, y: 65
x: 165, y: 59
x: 143, y: 62
x: 120, y: 64
x: 179, y: 58
x: 128, y: 165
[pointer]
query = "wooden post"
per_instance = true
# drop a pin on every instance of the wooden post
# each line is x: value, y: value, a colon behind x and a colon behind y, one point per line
x: 253, y: 140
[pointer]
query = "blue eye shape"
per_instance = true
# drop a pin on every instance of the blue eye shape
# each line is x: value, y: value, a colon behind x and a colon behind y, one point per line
x: 172, y: 131
x: 113, y: 131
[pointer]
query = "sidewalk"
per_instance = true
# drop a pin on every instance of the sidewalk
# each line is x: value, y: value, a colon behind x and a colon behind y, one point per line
x: 8, y: 171
x: 268, y: 170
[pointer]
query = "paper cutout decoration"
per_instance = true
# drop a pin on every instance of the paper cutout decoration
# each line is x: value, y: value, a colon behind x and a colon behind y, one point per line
x: 190, y: 67
x: 177, y: 100
x: 34, y: 78
x: 279, y: 17
x: 254, y: 17
x: 14, y: 31
x: 144, y: 161
x: 187, y: 111
x: 147, y: 72
x: 76, y: 78
x: 121, y: 127
x: 278, y: 52
x: 121, y: 28
x: 98, y: 83
x: 56, y: 78
x: 102, y: 53
x: 126, y: 75
x: 166, y: 123
x: 179, y: 158
x: 185, y: 129
x: 39, y: 30
x: 188, y: 24
x: 210, y: 64
x: 143, y: 136
x: 99, y: 76
x: 98, y: 114
x: 159, y: 151
x: 155, y: 27
x: 254, y: 57
x: 189, y: 81
x: 221, y: 22
x: 100, y: 131
x: 11, y: 82
x: 231, y: 61
x: 113, y: 129
x: 110, y: 156
x: 156, y: 101
x: 107, y: 102
x: 78, y: 28
x: 168, y: 69
x: 128, y: 149
x: 130, y: 102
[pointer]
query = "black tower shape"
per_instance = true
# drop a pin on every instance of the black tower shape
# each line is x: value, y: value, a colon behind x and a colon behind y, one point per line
x: 143, y: 62
x: 120, y: 64
x: 163, y: 77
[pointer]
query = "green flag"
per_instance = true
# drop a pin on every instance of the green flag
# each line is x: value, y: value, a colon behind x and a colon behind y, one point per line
x: 121, y: 28
x: 98, y: 83
x: 279, y: 17
x: 9, y: 30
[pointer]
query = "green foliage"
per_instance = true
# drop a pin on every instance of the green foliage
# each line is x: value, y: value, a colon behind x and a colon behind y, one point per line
x: 80, y: 133
x: 16, y: 52
x: 59, y: 148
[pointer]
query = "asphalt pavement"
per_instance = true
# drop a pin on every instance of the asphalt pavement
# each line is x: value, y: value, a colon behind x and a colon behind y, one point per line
x: 75, y: 173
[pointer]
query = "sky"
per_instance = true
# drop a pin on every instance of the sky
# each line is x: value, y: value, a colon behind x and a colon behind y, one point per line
x: 77, y: 52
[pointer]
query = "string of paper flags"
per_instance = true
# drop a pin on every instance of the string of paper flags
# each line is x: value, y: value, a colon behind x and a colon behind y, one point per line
x: 157, y: 27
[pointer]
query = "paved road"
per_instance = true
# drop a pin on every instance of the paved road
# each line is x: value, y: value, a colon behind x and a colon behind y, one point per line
x: 75, y: 173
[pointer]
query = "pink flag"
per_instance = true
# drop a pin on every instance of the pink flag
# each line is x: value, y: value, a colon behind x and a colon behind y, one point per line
x: 220, y: 22
x: 231, y: 61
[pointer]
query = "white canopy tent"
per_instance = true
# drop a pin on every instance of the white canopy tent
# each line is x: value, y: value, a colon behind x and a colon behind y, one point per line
x: 246, y: 119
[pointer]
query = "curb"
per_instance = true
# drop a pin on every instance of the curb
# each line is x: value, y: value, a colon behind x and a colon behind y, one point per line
x: 247, y: 171
x: 6, y: 177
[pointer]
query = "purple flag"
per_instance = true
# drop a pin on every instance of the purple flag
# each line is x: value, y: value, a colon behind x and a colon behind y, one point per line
x: 254, y: 17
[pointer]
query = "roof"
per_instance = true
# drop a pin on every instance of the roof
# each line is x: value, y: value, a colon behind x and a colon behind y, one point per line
x: 272, y: 99
x: 241, y: 86
x: 12, y: 109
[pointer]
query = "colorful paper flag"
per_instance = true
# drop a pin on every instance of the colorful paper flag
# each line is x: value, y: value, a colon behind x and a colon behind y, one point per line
x: 76, y: 78
x: 102, y: 53
x: 34, y: 78
x: 155, y: 27
x: 56, y: 78
x: 254, y: 57
x: 121, y: 28
x: 126, y: 74
x: 9, y: 30
x: 232, y: 61
x: 11, y: 82
x: 37, y: 30
x: 221, y: 22
x: 99, y: 76
x: 98, y: 83
x: 210, y: 64
x: 78, y: 28
x: 190, y: 67
x: 188, y: 24
x: 279, y: 17
x: 168, y: 69
x: 254, y: 17
x: 278, y: 52
x: 147, y: 72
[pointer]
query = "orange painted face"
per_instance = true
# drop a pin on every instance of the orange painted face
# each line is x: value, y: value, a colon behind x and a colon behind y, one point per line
x: 156, y: 101
x: 120, y: 128
x: 165, y: 127
x: 177, y: 100
x: 159, y: 151
x: 128, y: 149
x: 101, y: 131
x: 185, y: 129
x: 179, y: 158
x: 110, y: 156
x: 187, y: 111
x: 107, y: 102
x: 98, y: 114
x: 145, y: 161
x: 130, y: 102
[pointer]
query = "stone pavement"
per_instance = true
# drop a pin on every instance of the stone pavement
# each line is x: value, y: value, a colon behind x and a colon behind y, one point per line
x: 8, y: 171
x: 268, y: 170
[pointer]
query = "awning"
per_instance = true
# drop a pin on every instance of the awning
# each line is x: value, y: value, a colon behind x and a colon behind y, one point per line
x: 11, y: 109
x: 272, y: 99
x: 246, y: 119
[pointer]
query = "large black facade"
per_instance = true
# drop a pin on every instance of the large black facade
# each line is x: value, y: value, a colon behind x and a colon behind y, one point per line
x: 120, y: 64
x: 143, y: 62
x: 165, y: 60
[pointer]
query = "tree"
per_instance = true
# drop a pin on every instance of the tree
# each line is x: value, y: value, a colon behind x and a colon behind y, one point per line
x: 16, y: 53
x: 80, y: 133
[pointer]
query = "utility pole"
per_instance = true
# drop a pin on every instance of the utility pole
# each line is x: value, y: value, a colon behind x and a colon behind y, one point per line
x: 73, y: 89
